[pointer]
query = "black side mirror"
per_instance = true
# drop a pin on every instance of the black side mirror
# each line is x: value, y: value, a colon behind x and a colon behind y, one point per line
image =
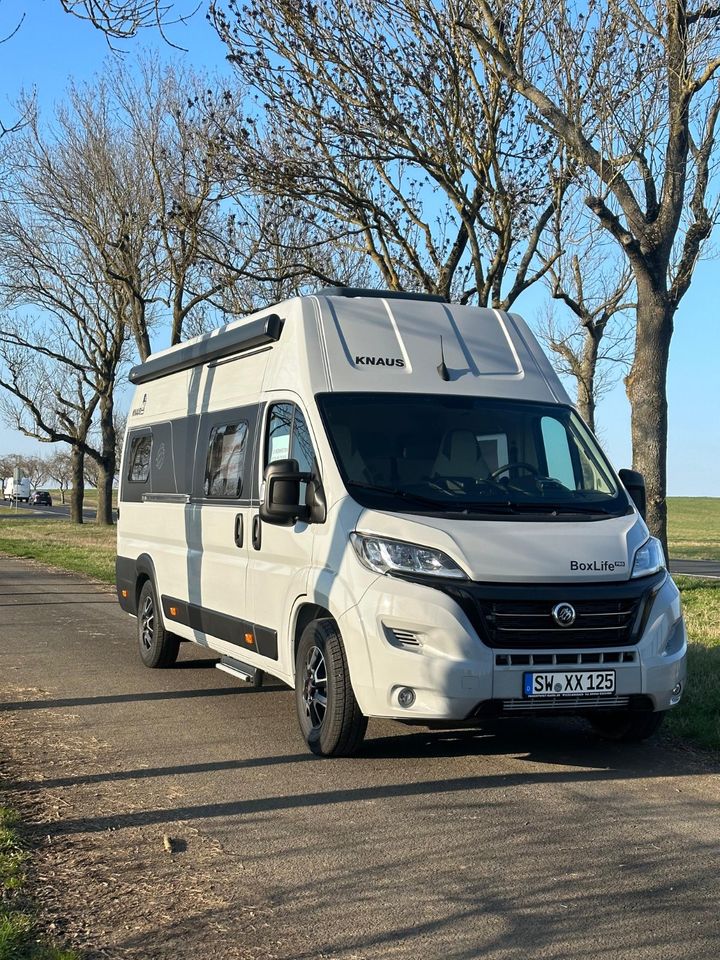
x: 634, y: 483
x: 281, y: 501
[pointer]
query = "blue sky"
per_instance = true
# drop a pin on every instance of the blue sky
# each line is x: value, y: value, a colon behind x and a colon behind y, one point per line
x: 52, y: 47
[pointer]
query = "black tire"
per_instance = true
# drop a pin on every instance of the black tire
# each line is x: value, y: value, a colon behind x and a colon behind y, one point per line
x: 626, y: 727
x: 336, y: 727
x: 158, y: 647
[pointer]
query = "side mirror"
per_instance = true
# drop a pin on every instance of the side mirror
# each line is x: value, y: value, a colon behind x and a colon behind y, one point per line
x: 281, y: 500
x: 634, y: 483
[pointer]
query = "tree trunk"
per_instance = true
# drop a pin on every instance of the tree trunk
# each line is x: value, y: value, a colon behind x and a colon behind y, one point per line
x: 586, y: 380
x: 646, y: 390
x: 77, y: 494
x: 106, y: 462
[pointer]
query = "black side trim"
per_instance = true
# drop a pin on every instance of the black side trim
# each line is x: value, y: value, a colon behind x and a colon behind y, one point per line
x: 230, y: 629
x: 211, y: 347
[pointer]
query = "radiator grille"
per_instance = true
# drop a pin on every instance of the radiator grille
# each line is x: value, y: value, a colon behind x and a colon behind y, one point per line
x: 515, y: 624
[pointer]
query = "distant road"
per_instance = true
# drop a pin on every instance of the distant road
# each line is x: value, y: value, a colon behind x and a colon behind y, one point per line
x: 31, y: 512
x: 697, y: 568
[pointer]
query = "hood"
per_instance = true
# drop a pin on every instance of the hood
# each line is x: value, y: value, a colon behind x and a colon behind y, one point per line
x: 522, y: 550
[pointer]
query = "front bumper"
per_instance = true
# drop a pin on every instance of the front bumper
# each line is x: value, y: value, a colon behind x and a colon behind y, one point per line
x: 419, y: 636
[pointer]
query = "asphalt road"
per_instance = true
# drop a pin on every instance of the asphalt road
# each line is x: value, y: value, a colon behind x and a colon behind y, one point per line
x: 58, y: 511
x: 707, y: 569
x: 532, y: 840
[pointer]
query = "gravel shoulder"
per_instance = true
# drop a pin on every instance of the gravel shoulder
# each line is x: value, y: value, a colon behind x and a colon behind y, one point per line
x: 530, y: 840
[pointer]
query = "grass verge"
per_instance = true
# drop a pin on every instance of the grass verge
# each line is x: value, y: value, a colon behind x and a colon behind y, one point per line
x: 697, y: 717
x: 694, y: 528
x: 81, y: 548
x: 18, y: 934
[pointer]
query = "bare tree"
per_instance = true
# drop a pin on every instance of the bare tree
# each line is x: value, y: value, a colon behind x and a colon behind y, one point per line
x: 121, y: 19
x: 591, y: 340
x: 53, y: 263
x: 201, y: 242
x: 47, y: 398
x: 377, y: 120
x: 630, y: 89
x: 33, y: 467
x: 59, y: 469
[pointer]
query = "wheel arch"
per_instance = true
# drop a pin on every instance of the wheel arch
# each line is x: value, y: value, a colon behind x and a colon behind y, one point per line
x: 304, y: 614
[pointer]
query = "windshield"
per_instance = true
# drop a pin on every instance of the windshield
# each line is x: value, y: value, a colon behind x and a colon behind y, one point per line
x: 470, y: 456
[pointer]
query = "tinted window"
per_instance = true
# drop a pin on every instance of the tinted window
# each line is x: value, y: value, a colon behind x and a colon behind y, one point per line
x: 139, y: 468
x: 226, y: 460
x: 468, y: 456
x: 279, y: 431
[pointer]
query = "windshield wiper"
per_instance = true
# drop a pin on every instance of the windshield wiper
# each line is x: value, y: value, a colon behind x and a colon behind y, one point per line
x: 560, y: 508
x: 395, y: 491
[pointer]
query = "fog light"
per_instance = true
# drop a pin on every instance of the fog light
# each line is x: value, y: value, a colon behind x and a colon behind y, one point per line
x: 677, y: 690
x: 406, y: 696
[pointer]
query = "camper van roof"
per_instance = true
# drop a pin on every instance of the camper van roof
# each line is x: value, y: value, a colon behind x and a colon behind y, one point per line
x: 348, y: 339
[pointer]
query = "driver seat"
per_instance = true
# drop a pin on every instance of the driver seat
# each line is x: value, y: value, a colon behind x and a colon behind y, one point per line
x: 460, y: 456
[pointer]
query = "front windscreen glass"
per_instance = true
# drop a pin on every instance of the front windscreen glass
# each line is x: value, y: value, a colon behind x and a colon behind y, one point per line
x: 469, y: 456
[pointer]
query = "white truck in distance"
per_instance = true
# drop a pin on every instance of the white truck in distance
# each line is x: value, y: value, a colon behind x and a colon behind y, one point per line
x: 17, y: 491
x: 389, y: 503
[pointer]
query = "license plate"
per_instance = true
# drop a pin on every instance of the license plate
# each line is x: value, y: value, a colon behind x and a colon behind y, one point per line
x: 568, y: 684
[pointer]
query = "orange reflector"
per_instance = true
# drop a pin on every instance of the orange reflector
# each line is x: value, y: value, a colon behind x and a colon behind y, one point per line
x: 249, y: 638
x: 124, y: 593
x: 173, y: 611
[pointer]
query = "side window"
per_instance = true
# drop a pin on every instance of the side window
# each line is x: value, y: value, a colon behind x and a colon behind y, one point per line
x: 279, y: 432
x: 139, y: 459
x: 557, y: 452
x: 226, y: 460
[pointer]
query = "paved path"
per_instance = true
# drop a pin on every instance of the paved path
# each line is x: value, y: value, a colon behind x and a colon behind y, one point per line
x: 535, y: 840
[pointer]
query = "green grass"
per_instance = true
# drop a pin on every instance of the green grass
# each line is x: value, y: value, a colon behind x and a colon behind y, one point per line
x: 81, y: 548
x: 18, y: 934
x: 694, y: 528
x: 697, y: 717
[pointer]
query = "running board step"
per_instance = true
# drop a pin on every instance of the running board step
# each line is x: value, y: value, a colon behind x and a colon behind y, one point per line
x: 236, y: 668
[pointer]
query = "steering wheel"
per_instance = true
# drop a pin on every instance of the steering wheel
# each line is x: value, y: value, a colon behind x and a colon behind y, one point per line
x: 517, y: 464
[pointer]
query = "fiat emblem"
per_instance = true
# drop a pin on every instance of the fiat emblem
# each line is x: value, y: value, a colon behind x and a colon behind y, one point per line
x: 563, y: 614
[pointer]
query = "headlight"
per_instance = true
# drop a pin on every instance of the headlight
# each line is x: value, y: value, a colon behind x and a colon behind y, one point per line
x: 649, y: 559
x: 395, y: 556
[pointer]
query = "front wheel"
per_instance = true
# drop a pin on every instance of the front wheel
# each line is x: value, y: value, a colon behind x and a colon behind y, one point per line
x: 158, y: 647
x: 330, y: 718
x: 626, y: 727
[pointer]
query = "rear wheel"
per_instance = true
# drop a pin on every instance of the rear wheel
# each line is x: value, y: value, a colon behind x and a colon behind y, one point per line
x: 330, y: 718
x: 627, y: 727
x: 158, y: 647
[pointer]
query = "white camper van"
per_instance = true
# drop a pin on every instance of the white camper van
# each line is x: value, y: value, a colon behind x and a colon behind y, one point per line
x: 389, y: 503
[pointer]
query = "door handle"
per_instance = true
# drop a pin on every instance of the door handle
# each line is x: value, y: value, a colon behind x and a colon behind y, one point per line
x: 256, y: 532
x: 239, y: 530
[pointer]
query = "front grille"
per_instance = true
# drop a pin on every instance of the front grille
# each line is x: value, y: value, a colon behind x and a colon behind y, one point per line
x: 519, y: 616
x: 563, y: 703
x: 517, y: 624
